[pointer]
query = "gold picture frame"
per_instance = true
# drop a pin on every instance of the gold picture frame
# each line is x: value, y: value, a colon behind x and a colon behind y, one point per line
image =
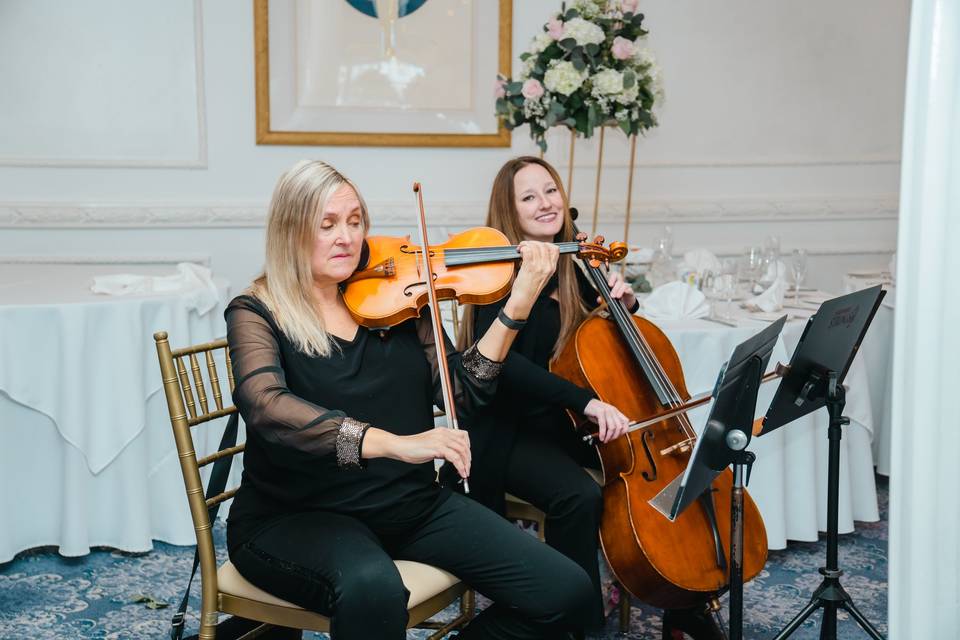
x: 499, y: 136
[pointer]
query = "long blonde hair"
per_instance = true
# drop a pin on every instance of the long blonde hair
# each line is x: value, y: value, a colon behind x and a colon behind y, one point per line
x: 502, y: 214
x: 286, y: 284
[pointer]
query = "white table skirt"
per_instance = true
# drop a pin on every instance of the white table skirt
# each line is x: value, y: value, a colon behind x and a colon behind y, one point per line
x: 87, y: 456
x: 789, y: 478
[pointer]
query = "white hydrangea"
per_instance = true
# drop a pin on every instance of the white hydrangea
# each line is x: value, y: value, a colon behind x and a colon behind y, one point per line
x: 628, y: 96
x: 562, y: 77
x: 607, y: 81
x: 589, y: 8
x: 540, y: 42
x: 583, y: 31
x: 643, y: 56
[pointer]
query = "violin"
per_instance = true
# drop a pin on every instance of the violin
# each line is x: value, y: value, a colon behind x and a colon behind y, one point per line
x: 475, y: 266
x: 628, y: 362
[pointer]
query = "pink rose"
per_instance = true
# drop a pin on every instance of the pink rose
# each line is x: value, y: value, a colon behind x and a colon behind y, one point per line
x: 500, y: 88
x: 555, y: 28
x: 629, y: 6
x: 532, y: 89
x: 622, y: 48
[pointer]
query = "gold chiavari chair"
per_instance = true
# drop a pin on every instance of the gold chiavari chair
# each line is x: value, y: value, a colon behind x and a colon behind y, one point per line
x: 223, y: 589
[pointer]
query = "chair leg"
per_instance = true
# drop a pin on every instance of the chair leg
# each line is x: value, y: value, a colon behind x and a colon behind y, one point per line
x: 624, y: 610
x: 467, y: 611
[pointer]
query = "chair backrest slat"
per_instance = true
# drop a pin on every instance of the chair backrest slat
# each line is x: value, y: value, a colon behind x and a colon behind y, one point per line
x: 185, y: 388
x: 229, y: 370
x: 222, y: 497
x: 223, y: 453
x: 214, y: 380
x: 198, y: 381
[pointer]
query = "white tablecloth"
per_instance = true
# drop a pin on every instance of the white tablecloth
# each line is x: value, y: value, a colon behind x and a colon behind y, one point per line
x: 790, y: 474
x: 86, y: 451
x: 878, y: 356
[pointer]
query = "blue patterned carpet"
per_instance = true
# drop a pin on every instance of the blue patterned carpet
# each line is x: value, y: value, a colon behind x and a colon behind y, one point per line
x: 43, y: 595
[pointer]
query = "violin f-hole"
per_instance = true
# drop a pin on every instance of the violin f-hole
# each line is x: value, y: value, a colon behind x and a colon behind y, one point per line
x: 408, y: 290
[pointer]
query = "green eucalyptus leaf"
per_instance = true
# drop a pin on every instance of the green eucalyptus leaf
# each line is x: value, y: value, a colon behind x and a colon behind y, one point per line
x: 578, y: 63
x: 625, y: 126
x: 525, y: 55
x: 514, y: 87
x: 571, y: 14
x: 629, y: 78
x: 592, y: 49
x: 568, y: 44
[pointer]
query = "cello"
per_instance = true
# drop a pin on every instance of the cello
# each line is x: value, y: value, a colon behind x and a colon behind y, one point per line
x: 628, y: 362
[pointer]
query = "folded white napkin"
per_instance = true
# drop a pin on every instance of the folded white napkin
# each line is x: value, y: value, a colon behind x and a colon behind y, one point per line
x: 700, y: 261
x: 675, y: 300
x: 193, y: 280
x: 772, y: 297
x: 639, y: 255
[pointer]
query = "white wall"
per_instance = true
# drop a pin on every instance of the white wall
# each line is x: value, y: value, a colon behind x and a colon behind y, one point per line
x: 779, y: 118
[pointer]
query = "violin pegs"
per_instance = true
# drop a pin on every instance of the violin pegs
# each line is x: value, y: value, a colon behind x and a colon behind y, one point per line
x: 580, y: 237
x: 598, y: 240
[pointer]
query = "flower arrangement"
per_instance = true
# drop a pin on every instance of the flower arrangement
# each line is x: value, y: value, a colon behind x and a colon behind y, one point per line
x: 587, y: 69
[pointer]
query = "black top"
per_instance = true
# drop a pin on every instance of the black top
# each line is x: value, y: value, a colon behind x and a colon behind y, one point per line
x: 526, y: 383
x: 294, y: 406
x: 529, y: 396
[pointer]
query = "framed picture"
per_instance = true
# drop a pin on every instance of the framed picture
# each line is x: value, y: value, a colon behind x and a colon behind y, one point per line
x: 416, y: 73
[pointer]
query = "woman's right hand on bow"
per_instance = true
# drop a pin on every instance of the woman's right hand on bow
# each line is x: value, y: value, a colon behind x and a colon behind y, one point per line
x: 610, y: 420
x: 432, y: 444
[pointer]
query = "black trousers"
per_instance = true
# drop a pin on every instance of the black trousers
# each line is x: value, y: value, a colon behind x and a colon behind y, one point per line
x: 548, y: 475
x: 339, y: 567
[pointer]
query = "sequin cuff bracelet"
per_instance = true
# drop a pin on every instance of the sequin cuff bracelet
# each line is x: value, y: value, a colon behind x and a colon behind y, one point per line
x: 350, y: 443
x: 480, y: 366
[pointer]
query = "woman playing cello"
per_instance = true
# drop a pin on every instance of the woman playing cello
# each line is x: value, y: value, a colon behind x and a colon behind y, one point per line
x: 524, y: 443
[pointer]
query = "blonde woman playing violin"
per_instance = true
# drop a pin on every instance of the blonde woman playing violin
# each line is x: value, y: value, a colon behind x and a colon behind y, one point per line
x: 338, y: 476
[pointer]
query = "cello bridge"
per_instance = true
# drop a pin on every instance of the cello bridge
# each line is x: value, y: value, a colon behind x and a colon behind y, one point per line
x: 683, y: 446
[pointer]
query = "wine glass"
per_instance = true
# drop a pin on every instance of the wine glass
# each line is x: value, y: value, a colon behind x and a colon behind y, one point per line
x: 726, y: 283
x: 798, y: 263
x: 752, y: 266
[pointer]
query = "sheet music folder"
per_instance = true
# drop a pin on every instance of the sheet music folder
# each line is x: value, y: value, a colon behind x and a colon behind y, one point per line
x: 828, y: 343
x: 729, y: 409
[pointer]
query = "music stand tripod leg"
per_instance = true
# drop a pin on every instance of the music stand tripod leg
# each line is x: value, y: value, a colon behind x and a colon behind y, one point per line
x: 830, y: 594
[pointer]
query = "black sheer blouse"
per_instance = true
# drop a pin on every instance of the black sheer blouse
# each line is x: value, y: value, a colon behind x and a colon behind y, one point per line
x: 305, y: 417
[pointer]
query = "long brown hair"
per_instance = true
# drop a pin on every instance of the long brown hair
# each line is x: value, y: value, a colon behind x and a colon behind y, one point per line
x: 502, y: 214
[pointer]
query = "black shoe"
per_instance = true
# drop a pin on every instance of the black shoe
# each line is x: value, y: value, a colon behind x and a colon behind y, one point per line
x: 698, y: 623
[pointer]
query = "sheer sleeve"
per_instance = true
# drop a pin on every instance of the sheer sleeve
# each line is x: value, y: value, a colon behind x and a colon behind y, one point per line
x: 474, y: 375
x: 268, y: 407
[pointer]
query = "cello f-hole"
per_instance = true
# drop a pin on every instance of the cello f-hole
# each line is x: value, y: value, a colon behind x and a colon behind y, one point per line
x: 651, y: 474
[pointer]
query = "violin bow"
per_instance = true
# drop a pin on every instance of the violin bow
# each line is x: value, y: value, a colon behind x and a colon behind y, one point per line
x: 450, y: 407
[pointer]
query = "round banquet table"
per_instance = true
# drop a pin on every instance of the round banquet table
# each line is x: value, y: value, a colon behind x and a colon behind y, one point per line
x: 87, y: 456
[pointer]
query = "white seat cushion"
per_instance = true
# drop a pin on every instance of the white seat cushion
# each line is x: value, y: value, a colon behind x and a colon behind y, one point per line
x: 422, y: 581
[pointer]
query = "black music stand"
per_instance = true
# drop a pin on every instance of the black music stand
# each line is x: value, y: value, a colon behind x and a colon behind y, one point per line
x: 723, y: 442
x: 817, y: 369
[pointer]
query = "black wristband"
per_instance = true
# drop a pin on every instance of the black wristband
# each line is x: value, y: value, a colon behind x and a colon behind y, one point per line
x: 509, y: 322
x: 635, y: 307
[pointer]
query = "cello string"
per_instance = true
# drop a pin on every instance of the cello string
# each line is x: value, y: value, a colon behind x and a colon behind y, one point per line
x: 631, y: 333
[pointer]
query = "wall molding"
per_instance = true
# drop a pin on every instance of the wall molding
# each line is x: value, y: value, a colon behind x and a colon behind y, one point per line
x: 199, y: 162
x: 67, y: 215
x: 124, y: 259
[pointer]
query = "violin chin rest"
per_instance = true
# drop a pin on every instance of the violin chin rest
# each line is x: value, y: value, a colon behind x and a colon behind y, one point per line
x: 364, y: 256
